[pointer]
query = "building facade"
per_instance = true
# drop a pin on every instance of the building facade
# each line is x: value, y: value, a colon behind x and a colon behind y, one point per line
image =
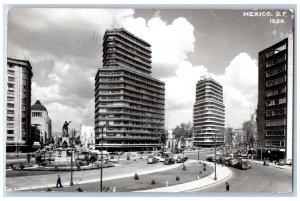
x: 275, y: 99
x: 87, y: 136
x: 41, y: 119
x: 209, y: 113
x: 126, y: 96
x: 18, y: 103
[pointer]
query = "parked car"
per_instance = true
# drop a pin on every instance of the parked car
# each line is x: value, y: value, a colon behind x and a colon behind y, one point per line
x: 209, y: 158
x: 169, y: 160
x: 152, y: 160
x: 162, y: 159
x: 281, y: 162
x: 221, y: 160
x: 241, y: 165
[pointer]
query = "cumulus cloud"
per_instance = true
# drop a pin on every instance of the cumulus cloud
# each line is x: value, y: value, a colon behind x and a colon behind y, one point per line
x: 240, y: 83
x: 170, y: 45
x: 65, y: 49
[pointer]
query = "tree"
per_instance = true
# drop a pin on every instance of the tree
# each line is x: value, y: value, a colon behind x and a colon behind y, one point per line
x: 182, y: 132
x: 38, y: 159
x: 163, y: 138
x: 250, y: 133
x: 228, y: 136
x: 93, y: 158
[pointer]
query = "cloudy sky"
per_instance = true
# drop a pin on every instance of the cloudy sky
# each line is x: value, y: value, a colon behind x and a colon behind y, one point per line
x: 64, y: 47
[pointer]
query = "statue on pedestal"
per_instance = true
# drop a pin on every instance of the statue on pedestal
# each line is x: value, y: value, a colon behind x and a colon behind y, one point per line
x: 65, y: 129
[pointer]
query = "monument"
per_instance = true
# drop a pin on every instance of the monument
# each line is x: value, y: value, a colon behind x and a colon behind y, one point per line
x: 64, y: 145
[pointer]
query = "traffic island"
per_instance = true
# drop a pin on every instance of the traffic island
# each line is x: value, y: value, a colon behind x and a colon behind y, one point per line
x: 146, y: 181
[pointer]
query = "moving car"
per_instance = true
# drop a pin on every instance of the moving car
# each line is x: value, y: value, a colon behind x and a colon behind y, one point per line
x: 169, y: 160
x: 232, y: 162
x: 181, y: 159
x: 241, y: 165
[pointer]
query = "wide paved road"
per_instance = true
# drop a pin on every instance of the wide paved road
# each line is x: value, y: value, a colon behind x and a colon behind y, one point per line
x: 258, y: 179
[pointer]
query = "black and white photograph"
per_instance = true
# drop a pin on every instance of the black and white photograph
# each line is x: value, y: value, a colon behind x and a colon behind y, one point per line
x: 149, y: 100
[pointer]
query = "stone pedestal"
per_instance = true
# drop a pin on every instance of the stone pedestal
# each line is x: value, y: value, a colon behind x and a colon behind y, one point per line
x: 62, y: 157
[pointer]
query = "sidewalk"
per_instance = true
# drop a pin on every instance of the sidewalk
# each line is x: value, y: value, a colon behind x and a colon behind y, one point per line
x: 222, y: 173
x: 286, y: 167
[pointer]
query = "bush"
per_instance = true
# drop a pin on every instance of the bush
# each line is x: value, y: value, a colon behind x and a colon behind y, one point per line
x: 128, y: 157
x: 184, y: 167
x: 79, y: 189
x: 177, y: 178
x: 136, y: 176
x: 152, y: 182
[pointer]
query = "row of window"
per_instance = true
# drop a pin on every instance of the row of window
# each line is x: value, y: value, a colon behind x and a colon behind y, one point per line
x: 130, y: 117
x: 276, y: 71
x: 276, y: 61
x: 276, y: 91
x: 276, y: 81
x: 36, y: 114
x: 133, y: 112
x: 122, y: 104
x: 125, y: 65
x: 275, y: 102
x: 279, y: 49
x: 278, y: 112
x: 280, y: 122
x: 275, y: 133
x: 275, y: 143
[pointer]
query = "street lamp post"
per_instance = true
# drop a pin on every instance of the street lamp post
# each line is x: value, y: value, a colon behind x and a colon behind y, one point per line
x: 101, y: 168
x: 71, y: 183
x: 215, y: 178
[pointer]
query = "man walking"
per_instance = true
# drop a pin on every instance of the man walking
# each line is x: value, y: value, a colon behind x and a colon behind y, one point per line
x: 58, y: 182
x: 227, y: 187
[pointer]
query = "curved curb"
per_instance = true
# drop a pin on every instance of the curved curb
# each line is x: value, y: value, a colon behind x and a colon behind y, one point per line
x: 223, y: 173
x: 79, y: 181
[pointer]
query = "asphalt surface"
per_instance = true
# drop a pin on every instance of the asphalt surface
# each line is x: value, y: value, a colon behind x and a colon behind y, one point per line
x: 258, y: 179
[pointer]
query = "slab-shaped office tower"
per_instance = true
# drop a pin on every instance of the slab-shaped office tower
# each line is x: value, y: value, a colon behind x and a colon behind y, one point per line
x: 275, y: 100
x: 18, y: 107
x: 209, y: 113
x: 126, y: 96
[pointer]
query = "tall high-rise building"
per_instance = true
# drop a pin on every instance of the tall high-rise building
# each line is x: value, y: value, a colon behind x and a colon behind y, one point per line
x: 18, y: 121
x: 40, y: 118
x: 275, y: 99
x: 209, y: 113
x: 126, y: 96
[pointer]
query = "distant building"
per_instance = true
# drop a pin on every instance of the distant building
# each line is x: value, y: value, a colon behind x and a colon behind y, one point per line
x: 209, y: 113
x: 40, y: 118
x: 87, y: 136
x: 18, y: 100
x: 275, y: 99
x: 126, y: 96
